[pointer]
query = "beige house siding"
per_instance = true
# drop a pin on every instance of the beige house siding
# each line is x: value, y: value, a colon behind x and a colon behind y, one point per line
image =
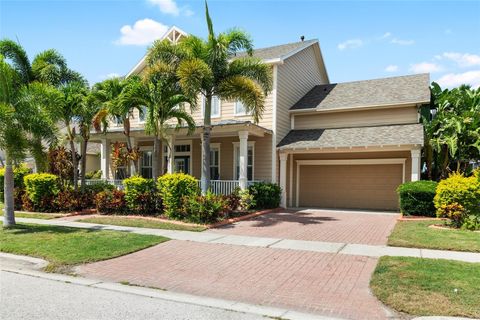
x: 360, y: 118
x: 93, y: 162
x: 353, y: 155
x: 298, y: 75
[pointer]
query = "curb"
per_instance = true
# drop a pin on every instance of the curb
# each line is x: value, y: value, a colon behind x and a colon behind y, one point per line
x: 228, y: 305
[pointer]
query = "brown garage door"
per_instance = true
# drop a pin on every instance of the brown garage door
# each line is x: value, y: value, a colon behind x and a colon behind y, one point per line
x: 350, y: 186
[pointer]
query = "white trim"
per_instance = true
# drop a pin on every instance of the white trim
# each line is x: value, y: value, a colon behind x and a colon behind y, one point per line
x: 237, y: 145
x: 291, y: 53
x: 351, y: 149
x: 177, y: 143
x: 216, y: 146
x: 292, y: 122
x: 290, y: 188
x: 316, y: 110
x: 401, y: 161
x: 274, y: 124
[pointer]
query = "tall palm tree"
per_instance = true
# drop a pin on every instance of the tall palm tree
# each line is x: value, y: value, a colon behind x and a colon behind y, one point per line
x: 159, y: 92
x: 109, y: 93
x: 209, y: 68
x: 20, y: 120
x: 48, y: 67
x: 85, y: 115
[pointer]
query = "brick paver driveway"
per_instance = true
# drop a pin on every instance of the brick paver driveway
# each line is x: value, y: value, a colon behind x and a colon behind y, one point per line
x: 325, y: 283
x: 318, y: 225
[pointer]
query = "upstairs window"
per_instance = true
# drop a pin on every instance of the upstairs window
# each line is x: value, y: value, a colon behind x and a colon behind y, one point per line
x: 142, y: 114
x: 215, y: 106
x: 240, y: 109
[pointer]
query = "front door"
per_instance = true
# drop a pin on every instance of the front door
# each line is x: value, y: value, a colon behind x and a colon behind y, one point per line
x: 182, y: 164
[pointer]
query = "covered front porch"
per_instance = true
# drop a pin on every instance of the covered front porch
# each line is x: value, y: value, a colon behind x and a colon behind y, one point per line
x: 240, y: 154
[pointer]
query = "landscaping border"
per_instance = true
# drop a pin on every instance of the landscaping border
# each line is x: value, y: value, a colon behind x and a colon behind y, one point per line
x: 245, y: 217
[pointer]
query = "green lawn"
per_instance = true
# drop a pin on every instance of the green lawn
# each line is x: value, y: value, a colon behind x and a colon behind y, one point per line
x: 142, y: 223
x: 417, y: 234
x: 36, y: 215
x: 428, y: 287
x: 63, y: 246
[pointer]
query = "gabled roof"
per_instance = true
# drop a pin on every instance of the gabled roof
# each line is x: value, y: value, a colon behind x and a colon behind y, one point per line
x: 414, y: 89
x: 391, y: 135
x: 280, y: 52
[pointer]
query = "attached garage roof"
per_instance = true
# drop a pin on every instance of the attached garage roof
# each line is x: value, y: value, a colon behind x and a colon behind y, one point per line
x: 392, y: 135
x: 413, y: 89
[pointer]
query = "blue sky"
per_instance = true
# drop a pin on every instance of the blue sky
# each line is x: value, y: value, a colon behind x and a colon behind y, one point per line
x: 359, y: 39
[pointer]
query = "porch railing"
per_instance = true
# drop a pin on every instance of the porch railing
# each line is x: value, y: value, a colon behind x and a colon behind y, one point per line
x: 115, y: 182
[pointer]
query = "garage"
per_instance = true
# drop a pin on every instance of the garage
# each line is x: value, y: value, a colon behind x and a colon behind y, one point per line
x: 350, y: 184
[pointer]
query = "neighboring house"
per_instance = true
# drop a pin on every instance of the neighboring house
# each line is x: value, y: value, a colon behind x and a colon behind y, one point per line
x: 345, y: 145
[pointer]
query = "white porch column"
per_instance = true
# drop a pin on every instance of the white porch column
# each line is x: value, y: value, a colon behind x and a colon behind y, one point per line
x: 416, y: 162
x: 243, y: 159
x: 132, y: 165
x: 283, y: 179
x: 171, y: 154
x: 105, y: 158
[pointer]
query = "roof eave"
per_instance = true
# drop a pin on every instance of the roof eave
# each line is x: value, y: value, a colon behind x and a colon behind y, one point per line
x: 359, y: 108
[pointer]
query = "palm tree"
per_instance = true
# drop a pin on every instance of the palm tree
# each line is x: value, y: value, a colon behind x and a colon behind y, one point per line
x: 209, y: 68
x: 109, y: 94
x: 85, y: 115
x: 20, y: 120
x: 48, y: 67
x: 164, y: 100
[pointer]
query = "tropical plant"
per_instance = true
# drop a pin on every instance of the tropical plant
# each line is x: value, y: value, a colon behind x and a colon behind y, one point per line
x: 113, y: 107
x: 60, y: 164
x: 159, y: 91
x: 210, y: 68
x: 452, y: 130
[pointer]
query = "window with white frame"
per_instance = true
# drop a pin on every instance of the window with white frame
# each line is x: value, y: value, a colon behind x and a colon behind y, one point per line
x: 215, y: 162
x: 142, y: 115
x: 250, y: 157
x: 146, y: 164
x: 215, y: 106
x: 117, y: 120
x: 240, y: 109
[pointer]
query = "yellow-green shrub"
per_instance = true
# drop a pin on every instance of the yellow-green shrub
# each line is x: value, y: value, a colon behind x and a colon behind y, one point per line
x: 172, y: 188
x: 41, y: 185
x: 18, y: 173
x: 140, y: 195
x: 459, y: 189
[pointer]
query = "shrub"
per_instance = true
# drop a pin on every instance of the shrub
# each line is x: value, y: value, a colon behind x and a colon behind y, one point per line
x: 454, y: 212
x: 458, y: 189
x: 69, y: 200
x: 110, y: 202
x: 140, y: 195
x: 204, y: 209
x: 41, y: 186
x: 240, y: 200
x: 19, y: 172
x: 266, y: 195
x: 416, y: 198
x: 172, y: 188
x: 94, y: 175
x: 99, y: 187
x: 471, y: 222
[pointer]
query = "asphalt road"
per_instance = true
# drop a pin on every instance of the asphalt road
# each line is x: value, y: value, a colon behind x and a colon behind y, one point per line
x: 26, y: 297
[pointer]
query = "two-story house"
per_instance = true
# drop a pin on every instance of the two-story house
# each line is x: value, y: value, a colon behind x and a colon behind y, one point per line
x: 344, y: 145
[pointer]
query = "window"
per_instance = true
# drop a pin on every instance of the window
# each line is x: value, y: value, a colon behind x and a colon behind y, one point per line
x: 118, y: 120
x: 215, y: 106
x: 121, y: 173
x: 146, y: 164
x: 215, y: 163
x: 249, y: 162
x: 240, y: 109
x: 182, y: 148
x: 142, y: 114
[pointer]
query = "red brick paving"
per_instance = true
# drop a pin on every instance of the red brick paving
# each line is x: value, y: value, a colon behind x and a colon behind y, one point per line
x: 317, y: 225
x: 323, y: 283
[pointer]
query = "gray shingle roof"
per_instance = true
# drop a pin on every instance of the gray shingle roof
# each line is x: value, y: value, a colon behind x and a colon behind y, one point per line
x: 392, y: 135
x: 277, y: 51
x: 377, y: 92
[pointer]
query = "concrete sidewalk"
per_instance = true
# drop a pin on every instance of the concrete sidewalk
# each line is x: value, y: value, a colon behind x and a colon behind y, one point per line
x: 278, y: 243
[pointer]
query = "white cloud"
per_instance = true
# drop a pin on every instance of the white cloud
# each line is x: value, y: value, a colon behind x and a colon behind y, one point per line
x: 171, y: 7
x: 425, y: 67
x: 350, y: 44
x: 402, y: 42
x: 455, y: 79
x: 166, y: 6
x: 386, y: 35
x: 142, y: 33
x: 391, y: 68
x: 110, y: 76
x: 463, y: 59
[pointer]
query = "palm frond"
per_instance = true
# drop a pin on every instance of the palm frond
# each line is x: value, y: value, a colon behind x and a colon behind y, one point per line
x: 255, y: 69
x: 14, y: 52
x: 194, y: 74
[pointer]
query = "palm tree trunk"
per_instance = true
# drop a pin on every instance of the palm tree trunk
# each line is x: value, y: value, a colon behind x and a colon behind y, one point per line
x: 75, y: 164
x: 205, y: 179
x: 83, y: 164
x: 132, y: 164
x: 9, y: 215
x: 156, y: 158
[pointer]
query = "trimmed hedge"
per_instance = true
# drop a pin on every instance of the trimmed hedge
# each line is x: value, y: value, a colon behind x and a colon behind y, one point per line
x: 172, y: 188
x: 458, y: 189
x: 140, y: 195
x: 41, y: 186
x: 265, y: 195
x: 204, y: 209
x: 416, y: 198
x: 19, y: 173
